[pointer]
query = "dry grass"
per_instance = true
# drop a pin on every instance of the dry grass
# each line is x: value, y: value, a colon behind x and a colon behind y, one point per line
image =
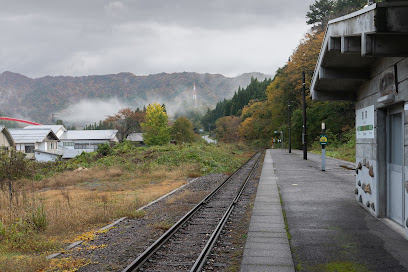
x: 69, y: 178
x: 12, y: 263
x: 75, y: 202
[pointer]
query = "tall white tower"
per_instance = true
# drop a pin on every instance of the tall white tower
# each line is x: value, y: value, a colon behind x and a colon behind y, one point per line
x: 195, y: 94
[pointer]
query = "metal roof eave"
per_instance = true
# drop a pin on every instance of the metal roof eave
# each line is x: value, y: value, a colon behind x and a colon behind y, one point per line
x: 6, y: 133
x: 349, y: 43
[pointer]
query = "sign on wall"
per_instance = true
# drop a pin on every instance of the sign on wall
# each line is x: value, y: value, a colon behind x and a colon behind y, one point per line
x: 365, y: 122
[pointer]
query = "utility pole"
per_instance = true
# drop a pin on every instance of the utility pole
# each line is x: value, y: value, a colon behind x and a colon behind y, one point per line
x: 290, y: 126
x: 304, y: 136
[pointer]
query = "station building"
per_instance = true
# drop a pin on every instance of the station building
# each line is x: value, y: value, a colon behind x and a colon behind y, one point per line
x: 364, y: 59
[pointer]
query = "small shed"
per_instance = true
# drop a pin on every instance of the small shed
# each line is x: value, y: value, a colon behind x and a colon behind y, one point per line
x: 364, y: 59
x: 136, y: 138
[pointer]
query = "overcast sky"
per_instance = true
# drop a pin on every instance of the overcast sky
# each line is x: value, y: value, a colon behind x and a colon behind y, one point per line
x: 94, y: 37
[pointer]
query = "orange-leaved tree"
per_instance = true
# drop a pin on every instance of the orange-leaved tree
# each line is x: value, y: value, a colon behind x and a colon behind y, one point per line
x: 126, y: 121
x: 256, y: 125
x: 227, y: 129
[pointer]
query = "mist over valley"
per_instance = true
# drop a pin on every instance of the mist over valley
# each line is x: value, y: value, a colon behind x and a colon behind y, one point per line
x: 82, y: 100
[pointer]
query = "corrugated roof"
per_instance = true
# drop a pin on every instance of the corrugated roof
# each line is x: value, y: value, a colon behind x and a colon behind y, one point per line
x: 135, y: 137
x: 54, y: 128
x: 89, y: 135
x: 72, y: 153
x: 31, y: 136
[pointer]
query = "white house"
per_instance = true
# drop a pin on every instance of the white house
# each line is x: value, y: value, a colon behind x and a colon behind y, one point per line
x: 87, y: 139
x: 36, y: 143
x: 6, y: 141
x: 364, y: 59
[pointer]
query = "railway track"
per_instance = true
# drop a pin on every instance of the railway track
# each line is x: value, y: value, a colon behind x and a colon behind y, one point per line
x: 187, y: 244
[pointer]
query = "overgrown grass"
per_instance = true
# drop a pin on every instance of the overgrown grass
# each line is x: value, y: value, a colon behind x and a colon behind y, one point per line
x: 57, y: 202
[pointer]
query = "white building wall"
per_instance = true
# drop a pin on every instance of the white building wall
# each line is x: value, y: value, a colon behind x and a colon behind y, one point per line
x: 373, y: 152
x: 44, y: 157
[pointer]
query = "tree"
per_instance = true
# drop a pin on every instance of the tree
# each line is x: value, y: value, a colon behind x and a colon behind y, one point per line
x: 256, y: 90
x: 126, y: 121
x: 183, y: 131
x: 256, y: 125
x: 155, y: 130
x: 13, y: 166
x: 324, y: 10
x: 227, y: 129
x: 320, y: 12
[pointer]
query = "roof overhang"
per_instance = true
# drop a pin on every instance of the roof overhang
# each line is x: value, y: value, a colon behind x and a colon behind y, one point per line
x: 353, y: 43
x: 8, y: 136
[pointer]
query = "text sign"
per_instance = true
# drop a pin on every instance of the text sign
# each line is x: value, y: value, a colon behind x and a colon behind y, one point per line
x: 323, y: 139
x: 365, y: 122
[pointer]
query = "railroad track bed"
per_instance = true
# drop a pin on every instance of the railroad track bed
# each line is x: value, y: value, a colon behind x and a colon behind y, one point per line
x: 186, y: 246
x: 228, y: 251
x: 114, y: 250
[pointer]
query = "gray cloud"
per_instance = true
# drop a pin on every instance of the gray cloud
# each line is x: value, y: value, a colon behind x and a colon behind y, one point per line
x: 99, y: 37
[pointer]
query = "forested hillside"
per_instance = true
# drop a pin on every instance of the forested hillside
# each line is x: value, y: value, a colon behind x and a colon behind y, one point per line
x: 37, y: 99
x: 233, y: 107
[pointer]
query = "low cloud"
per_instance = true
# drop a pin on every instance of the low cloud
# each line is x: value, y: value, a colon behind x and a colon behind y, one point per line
x: 89, y: 111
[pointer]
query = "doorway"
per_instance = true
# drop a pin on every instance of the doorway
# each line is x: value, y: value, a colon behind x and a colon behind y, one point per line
x: 395, y: 163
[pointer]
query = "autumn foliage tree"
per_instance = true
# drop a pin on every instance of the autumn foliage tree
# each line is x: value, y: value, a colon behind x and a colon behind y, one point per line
x: 256, y: 123
x: 183, y: 131
x: 155, y: 129
x: 126, y: 121
x: 227, y: 129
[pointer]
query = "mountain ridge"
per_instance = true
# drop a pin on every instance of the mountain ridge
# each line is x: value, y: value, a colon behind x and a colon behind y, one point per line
x: 38, y: 98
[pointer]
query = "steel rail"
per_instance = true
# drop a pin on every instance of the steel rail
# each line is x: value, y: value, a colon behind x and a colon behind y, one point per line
x: 145, y: 255
x: 200, y: 261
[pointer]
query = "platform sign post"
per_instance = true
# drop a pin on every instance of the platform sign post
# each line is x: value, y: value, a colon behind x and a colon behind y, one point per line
x: 323, y: 142
x: 282, y: 138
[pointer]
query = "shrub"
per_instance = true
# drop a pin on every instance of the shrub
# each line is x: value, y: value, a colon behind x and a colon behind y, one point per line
x: 104, y: 149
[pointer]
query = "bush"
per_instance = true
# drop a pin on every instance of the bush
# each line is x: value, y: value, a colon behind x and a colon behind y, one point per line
x: 104, y: 149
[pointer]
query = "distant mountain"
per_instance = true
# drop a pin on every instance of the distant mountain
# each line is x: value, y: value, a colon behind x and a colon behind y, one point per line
x: 37, y: 99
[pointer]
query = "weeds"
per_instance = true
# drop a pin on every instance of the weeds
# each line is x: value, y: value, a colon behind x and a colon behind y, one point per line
x: 339, y: 146
x: 163, y: 225
x: 38, y: 218
x: 52, y: 200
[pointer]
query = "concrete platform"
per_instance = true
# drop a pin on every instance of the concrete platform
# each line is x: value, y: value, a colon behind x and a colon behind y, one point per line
x: 329, y: 230
x: 267, y: 246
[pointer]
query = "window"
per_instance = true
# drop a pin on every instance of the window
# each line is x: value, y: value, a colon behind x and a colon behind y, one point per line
x: 81, y: 145
x: 29, y: 149
x: 68, y: 144
x: 53, y: 145
x: 93, y: 146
